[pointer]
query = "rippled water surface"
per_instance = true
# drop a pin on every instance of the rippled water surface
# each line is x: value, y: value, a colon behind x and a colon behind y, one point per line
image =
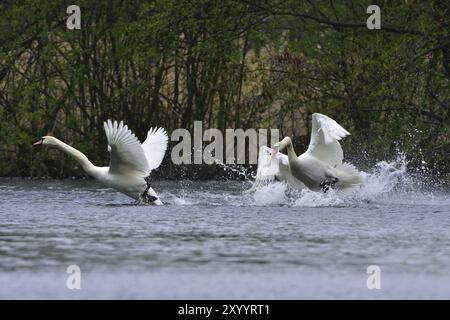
x: 217, y: 240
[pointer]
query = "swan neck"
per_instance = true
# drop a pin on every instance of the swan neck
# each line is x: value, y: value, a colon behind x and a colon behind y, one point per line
x: 77, y: 155
x: 290, y: 149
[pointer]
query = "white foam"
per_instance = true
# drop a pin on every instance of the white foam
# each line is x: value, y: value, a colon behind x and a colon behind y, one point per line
x: 388, y: 181
x: 270, y: 194
x: 310, y: 198
x: 385, y: 178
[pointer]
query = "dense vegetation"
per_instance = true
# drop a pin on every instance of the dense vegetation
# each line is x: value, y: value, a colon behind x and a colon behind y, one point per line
x: 231, y: 64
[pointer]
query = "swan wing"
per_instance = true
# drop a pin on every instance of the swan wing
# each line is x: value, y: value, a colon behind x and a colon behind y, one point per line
x: 325, y: 136
x: 127, y: 155
x: 155, y: 147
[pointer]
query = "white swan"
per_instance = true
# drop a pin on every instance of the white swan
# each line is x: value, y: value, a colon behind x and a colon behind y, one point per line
x: 319, y: 168
x: 274, y: 167
x: 131, y: 162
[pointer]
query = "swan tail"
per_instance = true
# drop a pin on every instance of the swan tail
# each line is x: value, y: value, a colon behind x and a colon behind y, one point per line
x: 348, y: 175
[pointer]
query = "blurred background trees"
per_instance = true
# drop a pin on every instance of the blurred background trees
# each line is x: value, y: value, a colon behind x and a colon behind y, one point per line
x: 232, y: 64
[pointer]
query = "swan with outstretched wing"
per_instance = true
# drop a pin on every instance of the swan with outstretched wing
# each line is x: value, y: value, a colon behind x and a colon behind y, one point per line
x: 319, y: 168
x: 130, y: 161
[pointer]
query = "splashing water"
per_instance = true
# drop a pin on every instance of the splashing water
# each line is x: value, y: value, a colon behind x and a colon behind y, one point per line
x: 386, y: 177
x: 271, y: 194
x: 236, y: 170
x: 310, y: 198
x: 389, y: 180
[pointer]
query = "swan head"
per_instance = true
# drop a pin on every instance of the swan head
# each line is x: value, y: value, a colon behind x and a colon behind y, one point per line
x: 46, y: 141
x: 280, y: 146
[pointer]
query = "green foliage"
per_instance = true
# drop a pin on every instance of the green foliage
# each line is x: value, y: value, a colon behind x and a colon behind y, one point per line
x: 239, y: 63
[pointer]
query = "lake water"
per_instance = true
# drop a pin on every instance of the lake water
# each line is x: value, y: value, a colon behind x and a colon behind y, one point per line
x: 216, y: 240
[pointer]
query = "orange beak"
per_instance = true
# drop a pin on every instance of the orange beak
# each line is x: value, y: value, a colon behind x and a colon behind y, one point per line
x: 38, y: 143
x: 274, y: 151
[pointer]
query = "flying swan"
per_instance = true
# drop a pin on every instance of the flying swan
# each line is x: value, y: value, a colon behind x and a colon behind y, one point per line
x: 131, y: 162
x: 319, y: 168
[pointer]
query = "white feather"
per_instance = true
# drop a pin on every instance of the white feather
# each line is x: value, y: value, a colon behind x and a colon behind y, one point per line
x: 272, y: 168
x: 324, y: 145
x: 155, y: 147
x: 125, y: 149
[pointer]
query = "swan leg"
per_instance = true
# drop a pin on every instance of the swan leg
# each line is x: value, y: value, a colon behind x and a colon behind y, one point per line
x: 148, y: 198
x: 327, y: 184
x: 145, y: 196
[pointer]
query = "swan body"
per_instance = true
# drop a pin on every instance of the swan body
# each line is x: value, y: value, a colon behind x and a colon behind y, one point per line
x: 131, y: 162
x: 320, y: 167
